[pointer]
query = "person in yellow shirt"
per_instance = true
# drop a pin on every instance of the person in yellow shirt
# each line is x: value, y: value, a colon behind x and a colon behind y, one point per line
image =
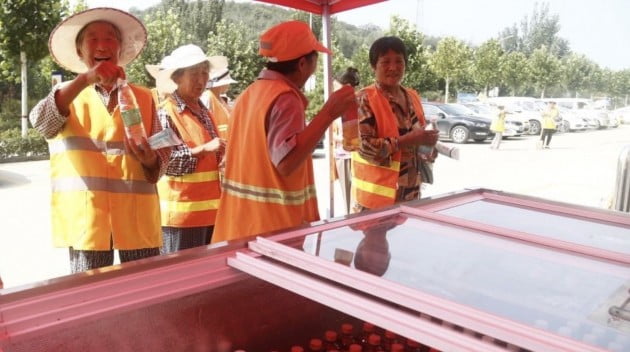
x: 498, y: 127
x: 549, y: 117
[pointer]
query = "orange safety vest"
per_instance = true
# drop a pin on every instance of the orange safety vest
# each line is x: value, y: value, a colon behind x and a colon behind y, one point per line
x: 374, y: 185
x: 256, y: 198
x: 221, y: 115
x: 100, y: 193
x: 190, y: 200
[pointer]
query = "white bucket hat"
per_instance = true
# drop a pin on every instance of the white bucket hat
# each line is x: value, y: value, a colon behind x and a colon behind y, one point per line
x: 62, y: 41
x: 220, y: 75
x: 185, y: 56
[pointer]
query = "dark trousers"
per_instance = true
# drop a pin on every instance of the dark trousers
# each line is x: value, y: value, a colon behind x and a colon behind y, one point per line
x: 82, y: 260
x: 545, y: 136
x: 177, y: 238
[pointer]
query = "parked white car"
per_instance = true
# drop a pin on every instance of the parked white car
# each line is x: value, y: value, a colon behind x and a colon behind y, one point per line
x: 571, y: 122
x: 584, y: 108
x: 622, y: 114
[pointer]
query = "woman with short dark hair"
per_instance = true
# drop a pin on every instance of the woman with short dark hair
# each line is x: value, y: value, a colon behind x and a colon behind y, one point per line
x: 386, y: 168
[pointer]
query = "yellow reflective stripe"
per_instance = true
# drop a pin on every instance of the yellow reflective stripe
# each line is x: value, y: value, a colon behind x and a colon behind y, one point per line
x: 268, y: 195
x: 374, y: 188
x: 182, y: 207
x: 205, y: 176
x: 222, y: 127
x: 394, y: 165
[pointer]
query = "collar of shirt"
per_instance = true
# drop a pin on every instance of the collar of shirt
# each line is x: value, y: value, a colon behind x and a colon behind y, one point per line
x: 270, y: 74
x: 181, y: 104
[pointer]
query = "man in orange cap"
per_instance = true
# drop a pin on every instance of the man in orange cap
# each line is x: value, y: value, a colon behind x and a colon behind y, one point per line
x: 269, y: 182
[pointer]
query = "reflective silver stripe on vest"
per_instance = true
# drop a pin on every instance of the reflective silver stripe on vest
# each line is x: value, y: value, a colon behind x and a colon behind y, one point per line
x: 269, y: 195
x: 69, y: 184
x: 88, y: 144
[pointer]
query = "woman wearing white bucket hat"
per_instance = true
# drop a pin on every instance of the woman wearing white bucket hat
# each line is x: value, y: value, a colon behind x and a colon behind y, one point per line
x: 190, y: 190
x: 104, y: 197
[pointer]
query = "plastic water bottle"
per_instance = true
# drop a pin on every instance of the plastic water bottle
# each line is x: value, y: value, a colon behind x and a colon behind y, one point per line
x: 432, y: 125
x: 134, y: 129
x: 350, y: 120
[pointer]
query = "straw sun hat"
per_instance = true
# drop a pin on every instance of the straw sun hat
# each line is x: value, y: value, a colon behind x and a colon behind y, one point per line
x: 62, y: 40
x: 185, y: 56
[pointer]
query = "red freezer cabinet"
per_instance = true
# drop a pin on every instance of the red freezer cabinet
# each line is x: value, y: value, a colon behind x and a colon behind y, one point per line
x: 475, y: 270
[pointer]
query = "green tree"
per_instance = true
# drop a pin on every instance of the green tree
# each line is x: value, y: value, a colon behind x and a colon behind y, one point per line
x: 545, y: 69
x: 196, y: 18
x: 515, y: 72
x: 450, y: 61
x: 361, y: 62
x: 418, y: 73
x: 575, y: 72
x: 486, y: 60
x: 230, y: 40
x: 26, y: 25
x: 164, y: 37
x: 539, y: 29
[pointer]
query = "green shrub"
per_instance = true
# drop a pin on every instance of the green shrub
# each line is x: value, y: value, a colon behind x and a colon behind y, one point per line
x: 14, y: 147
x: 10, y: 113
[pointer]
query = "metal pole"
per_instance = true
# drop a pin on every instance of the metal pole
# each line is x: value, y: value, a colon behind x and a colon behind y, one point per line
x: 622, y: 186
x: 329, y: 148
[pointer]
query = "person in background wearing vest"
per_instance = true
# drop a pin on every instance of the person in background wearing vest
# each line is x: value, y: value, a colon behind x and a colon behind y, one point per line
x: 104, y: 195
x: 391, y: 127
x: 498, y: 127
x: 190, y: 190
x: 549, y: 117
x: 215, y: 97
x: 269, y: 182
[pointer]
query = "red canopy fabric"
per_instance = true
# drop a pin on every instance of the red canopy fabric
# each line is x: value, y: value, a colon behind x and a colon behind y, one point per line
x: 316, y: 6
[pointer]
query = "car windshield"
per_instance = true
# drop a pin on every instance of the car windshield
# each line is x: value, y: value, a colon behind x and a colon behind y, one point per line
x: 456, y: 109
x: 481, y: 109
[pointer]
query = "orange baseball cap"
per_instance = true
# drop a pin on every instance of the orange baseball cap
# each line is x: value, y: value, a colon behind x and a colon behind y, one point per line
x: 289, y: 40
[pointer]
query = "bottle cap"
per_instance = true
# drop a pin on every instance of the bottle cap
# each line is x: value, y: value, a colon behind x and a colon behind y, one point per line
x: 315, y: 344
x: 374, y: 340
x: 330, y: 335
x: 297, y: 349
x: 390, y: 334
x: 347, y: 328
x: 396, y: 347
x: 355, y: 348
x: 368, y: 327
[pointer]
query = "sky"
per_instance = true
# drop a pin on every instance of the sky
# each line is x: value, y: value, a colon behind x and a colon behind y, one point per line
x: 598, y: 29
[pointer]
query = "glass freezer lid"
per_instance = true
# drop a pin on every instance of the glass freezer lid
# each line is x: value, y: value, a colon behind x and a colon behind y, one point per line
x: 557, y: 291
x: 598, y: 234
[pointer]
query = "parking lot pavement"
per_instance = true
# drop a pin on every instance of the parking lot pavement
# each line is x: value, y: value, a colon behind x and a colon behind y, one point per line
x: 580, y: 168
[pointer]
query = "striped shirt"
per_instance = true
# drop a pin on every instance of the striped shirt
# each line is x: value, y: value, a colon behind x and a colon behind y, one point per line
x: 182, y: 161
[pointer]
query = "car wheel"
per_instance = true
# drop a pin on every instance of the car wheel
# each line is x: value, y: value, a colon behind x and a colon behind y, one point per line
x: 460, y: 134
x: 534, y: 127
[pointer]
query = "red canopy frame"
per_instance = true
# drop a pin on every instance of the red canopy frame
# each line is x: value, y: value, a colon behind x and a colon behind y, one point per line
x: 326, y: 8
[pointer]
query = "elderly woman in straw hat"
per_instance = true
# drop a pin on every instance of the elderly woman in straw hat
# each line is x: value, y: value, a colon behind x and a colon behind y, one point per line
x: 104, y: 196
x: 190, y: 190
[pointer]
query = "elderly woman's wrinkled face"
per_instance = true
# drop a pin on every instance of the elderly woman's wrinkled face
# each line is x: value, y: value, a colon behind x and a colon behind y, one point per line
x: 390, y: 69
x: 99, y: 41
x: 191, y: 82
